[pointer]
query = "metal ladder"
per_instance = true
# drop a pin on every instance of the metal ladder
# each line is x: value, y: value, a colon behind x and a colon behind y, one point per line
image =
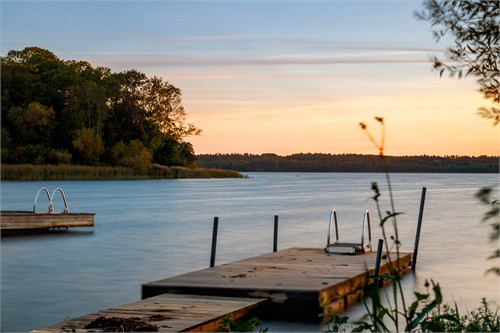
x: 51, y: 205
x: 348, y: 248
x: 51, y: 199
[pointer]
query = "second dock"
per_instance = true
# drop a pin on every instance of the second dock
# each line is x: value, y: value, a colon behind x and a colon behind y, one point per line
x: 288, y: 284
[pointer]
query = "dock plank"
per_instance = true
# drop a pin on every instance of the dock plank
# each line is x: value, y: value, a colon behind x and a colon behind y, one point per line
x: 170, y: 313
x: 17, y: 221
x: 294, y: 278
x: 288, y: 284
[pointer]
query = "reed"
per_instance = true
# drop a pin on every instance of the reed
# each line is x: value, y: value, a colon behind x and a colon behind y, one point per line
x: 182, y: 172
x: 426, y: 313
x: 30, y: 172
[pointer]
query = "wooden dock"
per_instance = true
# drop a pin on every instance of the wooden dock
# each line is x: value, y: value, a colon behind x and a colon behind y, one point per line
x: 294, y: 280
x: 168, y: 312
x: 288, y: 284
x: 19, y: 222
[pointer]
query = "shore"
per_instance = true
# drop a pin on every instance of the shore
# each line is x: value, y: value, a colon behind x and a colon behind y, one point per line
x: 30, y: 172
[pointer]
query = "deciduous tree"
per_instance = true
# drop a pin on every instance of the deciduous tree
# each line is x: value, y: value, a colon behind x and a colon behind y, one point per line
x: 89, y: 145
x: 89, y: 105
x: 34, y: 123
x: 133, y: 155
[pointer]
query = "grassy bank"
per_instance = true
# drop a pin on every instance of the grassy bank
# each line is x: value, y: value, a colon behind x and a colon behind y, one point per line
x: 82, y: 172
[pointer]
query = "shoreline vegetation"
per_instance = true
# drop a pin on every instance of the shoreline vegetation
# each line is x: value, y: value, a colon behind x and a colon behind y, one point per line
x: 68, y: 112
x: 319, y: 162
x: 30, y: 172
x: 231, y: 166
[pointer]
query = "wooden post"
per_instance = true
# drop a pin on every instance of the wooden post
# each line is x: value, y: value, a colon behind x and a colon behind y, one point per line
x: 275, y: 238
x: 214, y: 241
x: 419, y: 225
x: 377, y: 260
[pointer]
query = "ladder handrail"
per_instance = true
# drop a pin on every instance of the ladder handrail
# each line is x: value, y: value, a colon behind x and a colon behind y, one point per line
x: 333, y: 216
x: 51, y: 198
x: 48, y: 196
x: 366, y: 218
x: 66, y: 208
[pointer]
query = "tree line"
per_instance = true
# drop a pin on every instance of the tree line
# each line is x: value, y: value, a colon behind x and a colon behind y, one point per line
x: 57, y: 111
x: 349, y: 163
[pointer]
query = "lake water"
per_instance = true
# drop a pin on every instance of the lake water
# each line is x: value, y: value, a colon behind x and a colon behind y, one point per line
x: 152, y: 229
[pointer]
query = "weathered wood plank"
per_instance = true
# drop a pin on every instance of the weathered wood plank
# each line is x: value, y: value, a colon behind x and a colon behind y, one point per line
x: 292, y: 276
x: 293, y: 279
x: 170, y: 313
x: 22, y: 220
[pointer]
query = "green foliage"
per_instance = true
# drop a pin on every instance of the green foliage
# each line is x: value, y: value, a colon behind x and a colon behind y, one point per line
x: 33, y: 123
x: 89, y: 144
x: 58, y: 156
x: 426, y: 313
x: 447, y: 319
x: 48, y: 101
x: 380, y: 317
x: 416, y: 317
x: 35, y: 154
x: 174, y: 152
x: 161, y: 102
x: 474, y: 26
x: 250, y: 325
x: 133, y: 155
x: 348, y: 163
x: 333, y: 322
x: 486, y: 196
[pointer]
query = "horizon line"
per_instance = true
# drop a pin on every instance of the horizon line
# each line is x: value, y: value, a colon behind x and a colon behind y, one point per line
x: 337, y: 154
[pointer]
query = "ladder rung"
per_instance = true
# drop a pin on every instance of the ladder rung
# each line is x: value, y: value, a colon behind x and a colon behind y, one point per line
x: 347, y: 248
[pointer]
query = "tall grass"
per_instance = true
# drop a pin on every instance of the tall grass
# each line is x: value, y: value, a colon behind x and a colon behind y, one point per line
x: 161, y: 171
x: 27, y: 172
x: 426, y: 313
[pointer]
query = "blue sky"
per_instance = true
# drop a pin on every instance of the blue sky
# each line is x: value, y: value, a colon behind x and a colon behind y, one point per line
x: 274, y: 76
x: 225, y: 30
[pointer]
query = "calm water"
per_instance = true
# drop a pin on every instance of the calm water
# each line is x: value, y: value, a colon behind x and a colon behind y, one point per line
x: 147, y: 230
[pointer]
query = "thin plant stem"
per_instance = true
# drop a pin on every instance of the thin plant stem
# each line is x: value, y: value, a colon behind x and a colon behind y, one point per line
x: 394, y: 271
x: 396, y: 236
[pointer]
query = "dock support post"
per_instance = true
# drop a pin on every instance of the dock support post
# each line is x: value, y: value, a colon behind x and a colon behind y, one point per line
x: 419, y: 225
x: 377, y: 260
x: 214, y: 241
x: 275, y: 238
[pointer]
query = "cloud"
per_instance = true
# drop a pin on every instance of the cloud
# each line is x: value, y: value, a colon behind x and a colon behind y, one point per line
x: 249, y: 50
x: 154, y: 60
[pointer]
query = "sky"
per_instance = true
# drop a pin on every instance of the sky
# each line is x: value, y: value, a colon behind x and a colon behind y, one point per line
x: 275, y: 76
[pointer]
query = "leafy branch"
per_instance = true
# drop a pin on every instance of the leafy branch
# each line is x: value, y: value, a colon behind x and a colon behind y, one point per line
x: 486, y: 196
x: 475, y: 27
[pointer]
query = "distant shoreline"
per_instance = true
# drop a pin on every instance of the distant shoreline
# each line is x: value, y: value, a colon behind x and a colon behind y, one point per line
x: 232, y: 165
x: 317, y: 162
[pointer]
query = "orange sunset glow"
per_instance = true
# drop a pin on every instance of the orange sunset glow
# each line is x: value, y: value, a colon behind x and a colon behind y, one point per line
x: 280, y: 77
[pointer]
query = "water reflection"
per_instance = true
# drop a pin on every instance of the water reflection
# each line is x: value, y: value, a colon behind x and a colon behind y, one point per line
x: 73, y: 232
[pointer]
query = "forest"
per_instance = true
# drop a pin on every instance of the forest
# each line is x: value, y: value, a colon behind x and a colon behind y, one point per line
x: 57, y: 111
x: 349, y: 163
